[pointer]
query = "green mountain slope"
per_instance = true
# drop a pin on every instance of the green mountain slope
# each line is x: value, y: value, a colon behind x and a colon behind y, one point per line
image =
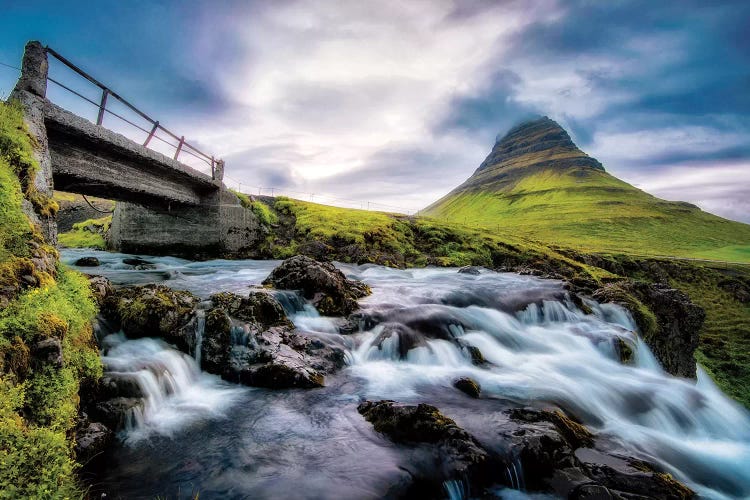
x: 538, y: 184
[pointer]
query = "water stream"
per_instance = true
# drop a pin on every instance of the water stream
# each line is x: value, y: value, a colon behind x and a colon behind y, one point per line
x: 196, y: 433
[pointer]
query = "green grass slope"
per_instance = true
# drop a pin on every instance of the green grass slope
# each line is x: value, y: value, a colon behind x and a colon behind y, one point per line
x: 548, y: 190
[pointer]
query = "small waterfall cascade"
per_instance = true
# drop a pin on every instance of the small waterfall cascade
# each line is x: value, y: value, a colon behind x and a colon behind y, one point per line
x: 551, y: 351
x: 514, y: 475
x: 456, y: 489
x: 172, y: 389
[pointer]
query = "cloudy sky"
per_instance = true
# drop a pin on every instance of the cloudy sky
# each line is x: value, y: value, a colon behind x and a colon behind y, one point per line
x: 397, y: 102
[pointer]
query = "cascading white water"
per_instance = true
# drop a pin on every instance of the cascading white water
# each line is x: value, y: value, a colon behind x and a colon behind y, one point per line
x: 552, y: 352
x: 539, y: 347
x: 174, y: 390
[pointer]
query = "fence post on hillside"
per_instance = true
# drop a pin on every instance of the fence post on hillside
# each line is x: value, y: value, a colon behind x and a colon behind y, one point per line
x: 34, y: 70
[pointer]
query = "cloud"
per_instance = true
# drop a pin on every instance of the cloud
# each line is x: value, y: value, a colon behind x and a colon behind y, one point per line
x: 722, y: 189
x: 401, y: 101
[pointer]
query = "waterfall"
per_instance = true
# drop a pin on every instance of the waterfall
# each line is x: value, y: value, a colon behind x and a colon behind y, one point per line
x: 174, y: 392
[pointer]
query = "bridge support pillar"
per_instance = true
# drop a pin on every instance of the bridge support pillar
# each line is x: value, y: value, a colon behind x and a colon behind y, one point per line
x: 221, y: 227
x: 30, y: 92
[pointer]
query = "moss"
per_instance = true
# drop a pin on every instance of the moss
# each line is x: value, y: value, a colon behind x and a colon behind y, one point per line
x: 34, y: 461
x: 87, y: 234
x: 573, y: 432
x: 38, y: 401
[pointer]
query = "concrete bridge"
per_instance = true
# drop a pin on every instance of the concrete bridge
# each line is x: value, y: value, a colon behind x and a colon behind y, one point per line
x: 164, y: 206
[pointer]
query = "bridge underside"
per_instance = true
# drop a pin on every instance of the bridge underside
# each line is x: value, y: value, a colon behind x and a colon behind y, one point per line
x: 89, y: 159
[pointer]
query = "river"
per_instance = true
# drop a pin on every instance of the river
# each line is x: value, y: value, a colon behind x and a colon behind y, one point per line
x: 199, y: 434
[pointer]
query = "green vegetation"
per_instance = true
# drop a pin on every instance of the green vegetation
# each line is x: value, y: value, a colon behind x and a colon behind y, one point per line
x: 396, y: 240
x: 260, y: 209
x: 38, y: 400
x: 87, y: 234
x: 593, y: 211
x: 724, y: 349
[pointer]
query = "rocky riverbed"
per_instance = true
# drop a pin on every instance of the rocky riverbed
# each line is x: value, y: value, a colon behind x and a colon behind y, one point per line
x: 225, y: 380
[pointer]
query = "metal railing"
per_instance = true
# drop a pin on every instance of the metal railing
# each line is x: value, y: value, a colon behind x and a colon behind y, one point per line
x: 182, y: 146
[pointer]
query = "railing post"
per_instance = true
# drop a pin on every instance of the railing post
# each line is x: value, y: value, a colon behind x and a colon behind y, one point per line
x: 151, y: 134
x: 218, y: 173
x: 102, y: 106
x: 34, y: 70
x: 179, y: 147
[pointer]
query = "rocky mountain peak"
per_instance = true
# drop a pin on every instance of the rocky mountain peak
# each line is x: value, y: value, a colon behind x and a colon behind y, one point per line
x: 540, y: 141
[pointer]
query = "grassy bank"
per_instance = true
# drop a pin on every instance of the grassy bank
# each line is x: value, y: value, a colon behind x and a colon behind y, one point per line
x: 362, y: 236
x: 42, y: 304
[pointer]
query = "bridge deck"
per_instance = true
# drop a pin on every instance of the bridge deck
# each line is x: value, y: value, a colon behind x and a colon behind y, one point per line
x: 90, y: 159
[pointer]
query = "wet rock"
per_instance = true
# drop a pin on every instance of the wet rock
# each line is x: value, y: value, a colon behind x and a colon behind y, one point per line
x: 250, y: 341
x: 559, y: 455
x: 404, y: 337
x: 476, y: 356
x: 87, y: 262
x: 114, y: 413
x: 114, y: 386
x: 91, y: 440
x: 459, y: 454
x: 468, y: 386
x: 287, y: 369
x: 591, y: 492
x: 629, y: 478
x: 473, y: 270
x: 668, y: 321
x: 101, y: 288
x: 139, y: 264
x: 47, y: 352
x: 156, y: 311
x: 575, y: 434
x: 321, y: 283
x: 260, y: 306
x: 624, y: 351
x: 217, y: 341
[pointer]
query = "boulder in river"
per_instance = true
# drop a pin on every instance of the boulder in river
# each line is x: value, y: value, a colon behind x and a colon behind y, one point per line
x: 156, y: 311
x: 473, y: 270
x: 468, y: 386
x: 560, y: 456
x: 101, y: 288
x: 91, y: 440
x: 249, y: 340
x: 260, y: 306
x: 320, y: 282
x: 139, y: 264
x: 457, y: 454
x: 542, y: 451
x: 87, y: 262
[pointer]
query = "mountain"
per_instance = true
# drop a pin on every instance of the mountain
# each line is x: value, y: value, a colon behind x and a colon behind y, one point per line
x: 537, y: 183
